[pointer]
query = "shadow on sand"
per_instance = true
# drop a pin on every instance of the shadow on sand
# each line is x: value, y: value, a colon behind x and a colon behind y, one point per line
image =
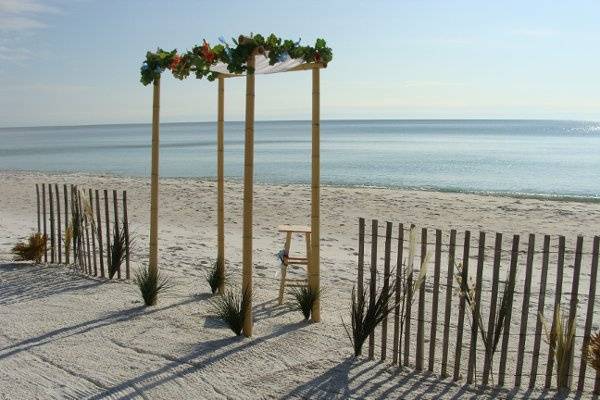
x: 201, y: 357
x: 347, y: 380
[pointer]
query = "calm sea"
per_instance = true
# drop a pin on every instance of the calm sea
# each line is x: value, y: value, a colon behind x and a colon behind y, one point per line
x: 545, y: 158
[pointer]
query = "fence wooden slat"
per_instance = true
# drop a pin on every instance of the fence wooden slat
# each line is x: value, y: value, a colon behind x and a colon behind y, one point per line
x: 399, y: 268
x: 386, y: 285
x: 99, y: 229
x: 506, y: 332
x: 74, y: 222
x: 107, y: 222
x: 435, y: 299
x: 82, y: 253
x: 540, y: 311
x: 77, y: 216
x: 461, y: 307
x: 590, y: 311
x: 116, y: 224
x: 126, y: 232
x: 84, y: 236
x: 66, y: 201
x: 573, y: 303
x: 58, y: 224
x: 448, y: 311
x: 39, y: 221
x: 421, y: 310
x: 360, y: 277
x: 45, y: 226
x: 475, y: 321
x: 488, y: 362
x: 92, y: 230
x: 373, y: 281
x: 87, y: 235
x: 408, y: 308
x: 52, y: 237
x: 525, y: 309
x: 557, y: 299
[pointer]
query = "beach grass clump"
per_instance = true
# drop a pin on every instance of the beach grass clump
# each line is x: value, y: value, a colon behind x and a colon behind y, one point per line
x: 592, y: 351
x: 68, y: 239
x: 151, y: 283
x: 216, y: 276
x: 118, y: 251
x: 561, y: 338
x: 231, y: 308
x: 366, y: 315
x: 491, y: 339
x: 305, y: 299
x: 32, y: 250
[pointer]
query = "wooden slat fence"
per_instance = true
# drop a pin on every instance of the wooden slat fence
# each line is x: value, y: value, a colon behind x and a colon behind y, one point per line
x: 87, y: 251
x: 540, y: 269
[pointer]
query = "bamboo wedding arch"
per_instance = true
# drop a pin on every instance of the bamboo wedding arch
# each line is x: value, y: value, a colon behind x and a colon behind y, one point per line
x: 259, y: 58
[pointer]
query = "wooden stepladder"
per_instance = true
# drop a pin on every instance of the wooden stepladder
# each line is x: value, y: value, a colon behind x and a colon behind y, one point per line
x: 287, y: 260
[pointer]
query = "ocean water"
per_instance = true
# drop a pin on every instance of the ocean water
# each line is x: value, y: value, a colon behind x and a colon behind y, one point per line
x: 513, y: 157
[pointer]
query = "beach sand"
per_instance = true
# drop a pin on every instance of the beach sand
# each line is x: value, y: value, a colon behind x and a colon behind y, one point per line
x: 65, y: 335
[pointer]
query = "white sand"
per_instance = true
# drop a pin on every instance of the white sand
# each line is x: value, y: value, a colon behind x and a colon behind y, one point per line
x: 68, y: 336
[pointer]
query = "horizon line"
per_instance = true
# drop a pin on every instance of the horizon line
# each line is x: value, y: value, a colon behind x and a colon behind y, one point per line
x: 304, y: 120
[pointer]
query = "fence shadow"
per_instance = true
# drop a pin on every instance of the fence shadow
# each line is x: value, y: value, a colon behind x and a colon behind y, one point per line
x: 84, y: 327
x: 32, y: 282
x: 197, y: 360
x: 356, y: 378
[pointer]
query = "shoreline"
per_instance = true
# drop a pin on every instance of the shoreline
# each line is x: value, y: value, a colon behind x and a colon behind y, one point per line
x: 569, y: 198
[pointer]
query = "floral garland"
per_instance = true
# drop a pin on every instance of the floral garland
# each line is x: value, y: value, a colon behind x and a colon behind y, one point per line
x: 199, y: 60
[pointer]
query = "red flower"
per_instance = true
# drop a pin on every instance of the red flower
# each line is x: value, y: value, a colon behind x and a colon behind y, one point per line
x: 175, y: 62
x: 207, y: 53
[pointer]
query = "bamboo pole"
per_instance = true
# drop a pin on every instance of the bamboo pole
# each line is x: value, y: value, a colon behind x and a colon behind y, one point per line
x: 58, y: 224
x: 66, y: 200
x: 315, y: 254
x: 39, y: 221
x: 221, y: 184
x: 153, y: 261
x: 126, y: 232
x: 248, y: 194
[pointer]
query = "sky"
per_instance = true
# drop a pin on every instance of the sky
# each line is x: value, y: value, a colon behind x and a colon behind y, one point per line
x: 76, y: 62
